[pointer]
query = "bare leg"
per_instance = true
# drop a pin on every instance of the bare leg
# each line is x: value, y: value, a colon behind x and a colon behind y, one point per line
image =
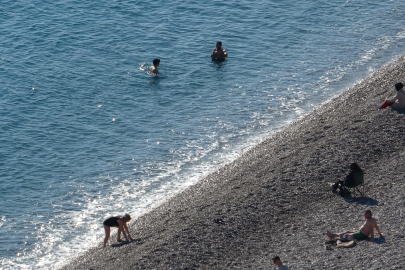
x: 107, y: 234
x: 119, y: 235
x: 333, y: 235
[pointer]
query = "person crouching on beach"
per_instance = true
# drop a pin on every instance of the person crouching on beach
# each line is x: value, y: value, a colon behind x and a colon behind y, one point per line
x: 349, y: 180
x: 366, y: 230
x: 119, y: 222
x: 400, y: 97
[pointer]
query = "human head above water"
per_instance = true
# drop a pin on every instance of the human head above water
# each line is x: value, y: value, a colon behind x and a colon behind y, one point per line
x: 156, y: 62
x: 127, y: 217
x: 218, y: 45
x: 399, y: 86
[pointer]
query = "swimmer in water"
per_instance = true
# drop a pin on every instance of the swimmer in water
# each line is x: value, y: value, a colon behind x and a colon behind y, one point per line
x: 218, y: 53
x: 119, y: 222
x: 153, y: 69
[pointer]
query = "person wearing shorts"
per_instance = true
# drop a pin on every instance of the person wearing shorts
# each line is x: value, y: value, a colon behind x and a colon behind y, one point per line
x: 365, y: 230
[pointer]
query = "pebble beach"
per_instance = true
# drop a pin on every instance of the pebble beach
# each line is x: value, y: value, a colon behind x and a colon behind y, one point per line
x: 275, y: 199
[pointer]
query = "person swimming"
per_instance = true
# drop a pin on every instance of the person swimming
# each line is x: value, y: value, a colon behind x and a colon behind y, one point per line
x: 153, y: 69
x: 218, y: 53
x: 119, y: 222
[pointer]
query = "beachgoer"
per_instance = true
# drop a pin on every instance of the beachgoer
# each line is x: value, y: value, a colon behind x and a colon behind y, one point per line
x: 153, y: 69
x: 218, y: 53
x: 280, y: 265
x: 400, y: 97
x: 365, y: 230
x: 119, y: 222
x: 349, y: 179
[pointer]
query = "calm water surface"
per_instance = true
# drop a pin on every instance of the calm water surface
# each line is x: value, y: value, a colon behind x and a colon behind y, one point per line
x: 86, y: 132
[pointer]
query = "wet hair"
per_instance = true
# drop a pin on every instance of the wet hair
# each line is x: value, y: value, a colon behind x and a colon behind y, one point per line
x: 277, y: 258
x: 219, y: 42
x: 368, y: 212
x: 127, y: 217
x: 355, y: 167
x: 399, y: 86
x: 156, y: 61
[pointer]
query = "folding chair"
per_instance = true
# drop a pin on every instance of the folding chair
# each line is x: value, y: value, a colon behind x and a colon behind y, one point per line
x: 358, y: 184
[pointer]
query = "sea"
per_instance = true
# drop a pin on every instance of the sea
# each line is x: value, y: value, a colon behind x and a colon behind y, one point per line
x: 87, y: 132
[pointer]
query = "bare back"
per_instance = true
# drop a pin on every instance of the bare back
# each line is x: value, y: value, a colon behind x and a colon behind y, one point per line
x: 368, y: 227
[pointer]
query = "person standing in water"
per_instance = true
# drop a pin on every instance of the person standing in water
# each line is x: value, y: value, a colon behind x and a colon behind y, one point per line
x: 400, y: 97
x: 218, y: 53
x: 153, y: 69
x: 119, y: 222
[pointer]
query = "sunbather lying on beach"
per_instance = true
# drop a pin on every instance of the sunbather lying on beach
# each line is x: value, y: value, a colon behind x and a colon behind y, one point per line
x: 119, y: 222
x: 400, y: 97
x: 366, y: 230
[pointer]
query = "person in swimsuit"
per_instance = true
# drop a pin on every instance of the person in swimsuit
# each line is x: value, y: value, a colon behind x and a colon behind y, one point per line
x: 400, y: 97
x: 218, y: 53
x: 153, y: 69
x: 119, y: 222
x: 365, y: 230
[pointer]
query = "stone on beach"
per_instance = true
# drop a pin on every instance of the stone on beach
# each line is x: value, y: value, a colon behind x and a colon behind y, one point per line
x: 275, y: 198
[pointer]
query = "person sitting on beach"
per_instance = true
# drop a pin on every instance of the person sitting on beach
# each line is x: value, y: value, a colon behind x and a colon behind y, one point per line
x: 280, y: 265
x: 349, y: 180
x: 218, y: 53
x: 400, y: 97
x: 366, y: 230
x: 153, y: 69
x: 119, y: 222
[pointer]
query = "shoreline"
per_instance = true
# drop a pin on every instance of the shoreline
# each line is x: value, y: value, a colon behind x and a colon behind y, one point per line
x: 274, y: 198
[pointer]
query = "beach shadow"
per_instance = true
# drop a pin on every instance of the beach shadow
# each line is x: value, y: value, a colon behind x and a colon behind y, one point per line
x: 379, y: 241
x: 400, y: 111
x: 360, y: 200
x: 120, y: 244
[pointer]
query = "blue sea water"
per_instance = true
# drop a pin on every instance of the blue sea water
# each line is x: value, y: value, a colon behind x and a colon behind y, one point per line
x: 86, y: 132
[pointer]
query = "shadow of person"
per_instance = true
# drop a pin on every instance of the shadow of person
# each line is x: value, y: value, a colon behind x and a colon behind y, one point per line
x: 400, y: 111
x: 379, y: 241
x: 360, y: 200
x: 119, y: 244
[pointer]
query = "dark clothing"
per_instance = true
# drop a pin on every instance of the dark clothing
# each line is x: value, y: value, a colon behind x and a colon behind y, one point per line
x: 111, y: 222
x: 349, y: 180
